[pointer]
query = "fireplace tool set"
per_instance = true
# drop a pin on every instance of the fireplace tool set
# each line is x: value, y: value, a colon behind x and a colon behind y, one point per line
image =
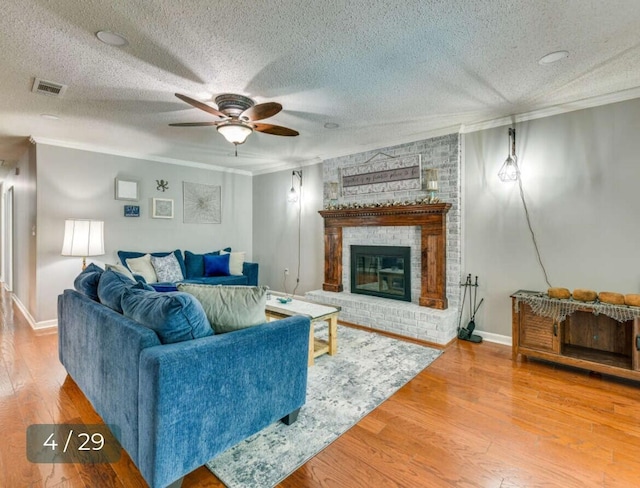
x: 466, y: 333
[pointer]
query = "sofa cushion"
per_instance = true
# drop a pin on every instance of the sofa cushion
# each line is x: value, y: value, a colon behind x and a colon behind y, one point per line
x: 87, y: 281
x: 174, y: 316
x: 236, y: 261
x: 122, y: 269
x: 194, y: 263
x: 124, y: 255
x: 218, y: 280
x: 142, y: 266
x: 111, y: 287
x: 216, y: 265
x: 167, y: 268
x: 230, y: 308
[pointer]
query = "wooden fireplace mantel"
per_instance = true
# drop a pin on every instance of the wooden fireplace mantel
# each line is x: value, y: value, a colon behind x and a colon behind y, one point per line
x: 431, y: 218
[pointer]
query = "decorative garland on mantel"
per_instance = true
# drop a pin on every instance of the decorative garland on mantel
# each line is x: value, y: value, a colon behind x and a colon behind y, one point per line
x: 430, y: 200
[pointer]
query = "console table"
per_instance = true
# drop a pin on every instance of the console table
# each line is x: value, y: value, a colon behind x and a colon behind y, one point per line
x: 591, y: 335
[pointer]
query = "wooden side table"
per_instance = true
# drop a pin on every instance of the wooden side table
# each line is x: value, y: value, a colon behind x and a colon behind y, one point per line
x: 316, y: 313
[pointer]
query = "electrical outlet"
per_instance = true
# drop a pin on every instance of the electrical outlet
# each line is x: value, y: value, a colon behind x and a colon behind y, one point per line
x: 286, y: 271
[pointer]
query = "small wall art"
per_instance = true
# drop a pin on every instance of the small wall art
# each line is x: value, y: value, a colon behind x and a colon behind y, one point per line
x: 400, y: 173
x: 162, y: 185
x: 202, y: 203
x: 126, y: 189
x: 162, y: 208
x: 132, y: 210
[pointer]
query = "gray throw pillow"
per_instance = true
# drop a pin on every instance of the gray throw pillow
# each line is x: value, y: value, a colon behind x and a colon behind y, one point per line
x: 230, y: 308
x: 167, y: 268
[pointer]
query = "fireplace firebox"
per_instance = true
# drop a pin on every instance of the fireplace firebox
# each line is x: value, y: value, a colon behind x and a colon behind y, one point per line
x: 382, y: 271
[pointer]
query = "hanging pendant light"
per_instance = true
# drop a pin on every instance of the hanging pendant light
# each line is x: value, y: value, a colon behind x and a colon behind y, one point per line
x: 509, y: 170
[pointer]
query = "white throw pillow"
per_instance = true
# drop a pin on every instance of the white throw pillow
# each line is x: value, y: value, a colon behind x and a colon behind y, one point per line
x: 142, y: 266
x: 236, y: 260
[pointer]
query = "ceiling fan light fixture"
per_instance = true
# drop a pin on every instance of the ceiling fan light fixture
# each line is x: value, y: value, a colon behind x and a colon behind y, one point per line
x: 235, y: 132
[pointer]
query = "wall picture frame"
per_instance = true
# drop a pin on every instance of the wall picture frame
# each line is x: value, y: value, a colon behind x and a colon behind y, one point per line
x: 126, y: 189
x: 132, y: 210
x: 202, y: 204
x: 162, y: 208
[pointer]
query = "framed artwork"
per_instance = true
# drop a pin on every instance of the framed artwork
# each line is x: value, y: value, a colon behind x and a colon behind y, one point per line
x: 202, y: 203
x: 399, y: 173
x: 126, y: 189
x: 162, y: 208
x: 132, y: 210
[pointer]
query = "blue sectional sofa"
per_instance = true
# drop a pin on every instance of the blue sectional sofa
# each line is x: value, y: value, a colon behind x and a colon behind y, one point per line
x: 176, y: 405
x: 193, y: 269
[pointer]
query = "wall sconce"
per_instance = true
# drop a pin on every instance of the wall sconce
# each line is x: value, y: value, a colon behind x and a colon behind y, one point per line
x: 83, y: 238
x: 509, y: 170
x: 293, y: 195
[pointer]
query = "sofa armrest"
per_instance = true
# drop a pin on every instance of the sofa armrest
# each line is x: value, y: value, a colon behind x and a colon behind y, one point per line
x: 250, y: 270
x: 201, y: 397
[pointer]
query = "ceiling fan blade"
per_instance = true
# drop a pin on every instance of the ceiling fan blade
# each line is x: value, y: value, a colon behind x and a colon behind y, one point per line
x: 261, y: 111
x: 200, y: 105
x: 276, y: 130
x: 194, y: 124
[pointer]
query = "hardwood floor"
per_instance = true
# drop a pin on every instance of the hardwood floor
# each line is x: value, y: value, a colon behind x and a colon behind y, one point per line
x: 473, y: 418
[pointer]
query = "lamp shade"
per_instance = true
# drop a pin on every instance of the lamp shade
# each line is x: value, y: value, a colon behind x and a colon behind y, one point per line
x: 83, y: 238
x: 235, y: 132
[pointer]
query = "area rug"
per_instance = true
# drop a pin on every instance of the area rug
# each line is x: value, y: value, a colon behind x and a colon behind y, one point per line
x: 341, y: 390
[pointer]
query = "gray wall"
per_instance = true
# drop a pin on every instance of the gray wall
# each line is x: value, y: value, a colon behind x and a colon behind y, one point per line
x: 275, y: 232
x: 580, y: 173
x: 24, y: 221
x: 80, y: 184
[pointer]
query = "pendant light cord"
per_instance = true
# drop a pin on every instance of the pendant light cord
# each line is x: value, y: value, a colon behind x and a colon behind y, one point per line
x: 533, y: 236
x: 299, y: 239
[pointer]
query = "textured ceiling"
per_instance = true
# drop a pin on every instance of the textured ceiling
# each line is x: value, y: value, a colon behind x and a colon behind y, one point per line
x: 386, y: 71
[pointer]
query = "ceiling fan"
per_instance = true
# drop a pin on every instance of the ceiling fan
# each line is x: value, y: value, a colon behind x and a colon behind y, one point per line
x: 239, y: 117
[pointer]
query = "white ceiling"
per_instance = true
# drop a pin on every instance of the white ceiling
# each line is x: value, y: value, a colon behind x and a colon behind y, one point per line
x: 386, y: 71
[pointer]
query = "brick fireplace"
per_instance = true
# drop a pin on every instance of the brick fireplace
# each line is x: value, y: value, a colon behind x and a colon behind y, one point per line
x: 432, y: 222
x: 432, y: 314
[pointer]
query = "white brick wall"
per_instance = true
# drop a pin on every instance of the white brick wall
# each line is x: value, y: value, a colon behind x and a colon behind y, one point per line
x: 403, y: 318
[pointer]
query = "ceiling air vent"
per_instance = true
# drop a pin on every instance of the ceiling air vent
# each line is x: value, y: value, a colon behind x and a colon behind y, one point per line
x: 48, y: 88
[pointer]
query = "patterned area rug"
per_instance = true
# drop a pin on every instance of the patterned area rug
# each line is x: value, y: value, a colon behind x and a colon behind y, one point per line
x: 341, y: 390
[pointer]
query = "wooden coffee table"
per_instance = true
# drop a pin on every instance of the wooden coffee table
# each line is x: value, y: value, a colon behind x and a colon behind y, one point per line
x: 316, y: 313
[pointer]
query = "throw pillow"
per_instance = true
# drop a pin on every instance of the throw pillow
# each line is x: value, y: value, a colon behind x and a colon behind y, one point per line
x: 236, y: 260
x: 194, y: 263
x: 174, y: 316
x: 230, y: 308
x: 216, y: 265
x: 121, y: 269
x: 87, y: 281
x: 143, y: 267
x: 167, y: 268
x: 111, y: 287
x: 124, y: 255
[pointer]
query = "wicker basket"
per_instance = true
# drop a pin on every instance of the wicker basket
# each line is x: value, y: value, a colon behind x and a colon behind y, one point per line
x: 584, y: 295
x: 611, y: 297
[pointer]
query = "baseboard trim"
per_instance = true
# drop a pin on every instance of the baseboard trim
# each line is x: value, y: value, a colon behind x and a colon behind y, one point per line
x: 45, y: 324
x: 496, y: 338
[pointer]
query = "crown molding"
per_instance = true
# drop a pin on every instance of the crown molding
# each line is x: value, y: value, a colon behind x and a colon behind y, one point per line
x: 134, y: 155
x: 607, y: 99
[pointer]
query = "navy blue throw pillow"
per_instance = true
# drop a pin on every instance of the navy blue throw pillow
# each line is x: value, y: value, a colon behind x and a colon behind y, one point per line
x: 174, y: 316
x: 87, y: 281
x: 216, y: 265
